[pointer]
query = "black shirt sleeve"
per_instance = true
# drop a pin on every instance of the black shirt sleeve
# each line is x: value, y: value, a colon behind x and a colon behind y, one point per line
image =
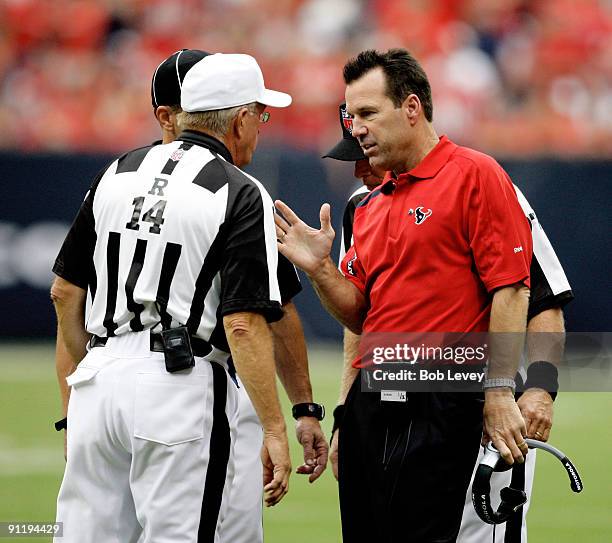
x: 549, y: 287
x: 74, y: 263
x: 248, y: 266
x: 288, y: 280
x: 542, y: 296
x: 348, y: 218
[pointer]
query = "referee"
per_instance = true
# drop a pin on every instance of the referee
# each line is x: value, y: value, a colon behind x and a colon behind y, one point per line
x: 176, y: 247
x: 243, y: 519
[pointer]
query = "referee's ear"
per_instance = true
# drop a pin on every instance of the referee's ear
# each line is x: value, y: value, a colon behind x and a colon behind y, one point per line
x: 240, y: 123
x: 166, y: 117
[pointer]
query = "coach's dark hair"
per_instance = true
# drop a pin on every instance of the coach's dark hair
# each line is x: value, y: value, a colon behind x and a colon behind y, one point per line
x: 404, y: 75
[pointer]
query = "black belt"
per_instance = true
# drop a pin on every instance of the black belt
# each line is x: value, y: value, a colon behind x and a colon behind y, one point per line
x: 199, y: 346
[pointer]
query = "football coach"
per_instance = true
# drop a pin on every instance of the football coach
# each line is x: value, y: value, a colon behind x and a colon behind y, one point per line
x: 460, y: 265
x: 177, y: 248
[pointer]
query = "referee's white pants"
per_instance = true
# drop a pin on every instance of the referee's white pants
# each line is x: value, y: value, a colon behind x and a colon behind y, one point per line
x: 147, y: 460
x: 474, y: 530
x: 243, y: 519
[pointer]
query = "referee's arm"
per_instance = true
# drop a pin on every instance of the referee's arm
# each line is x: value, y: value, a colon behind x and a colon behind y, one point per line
x: 546, y: 336
x: 69, y: 302
x: 545, y: 342
x: 350, y: 339
x: 349, y: 374
x: 290, y: 355
x: 291, y: 359
x: 65, y: 365
x: 550, y: 292
x: 72, y: 268
x: 250, y: 342
x: 68, y: 291
x: 70, y: 348
x: 289, y: 343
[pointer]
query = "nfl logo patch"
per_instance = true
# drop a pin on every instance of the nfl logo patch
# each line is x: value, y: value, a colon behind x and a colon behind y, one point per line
x: 347, y: 121
x: 177, y: 155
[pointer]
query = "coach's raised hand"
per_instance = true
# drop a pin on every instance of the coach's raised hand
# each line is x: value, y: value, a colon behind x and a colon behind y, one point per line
x: 305, y: 246
x: 309, y: 248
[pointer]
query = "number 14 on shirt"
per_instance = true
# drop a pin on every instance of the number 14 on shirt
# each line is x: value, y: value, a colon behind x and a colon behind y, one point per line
x: 155, y: 215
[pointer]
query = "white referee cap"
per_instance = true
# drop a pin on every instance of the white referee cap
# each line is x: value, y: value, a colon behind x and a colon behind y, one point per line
x: 222, y: 81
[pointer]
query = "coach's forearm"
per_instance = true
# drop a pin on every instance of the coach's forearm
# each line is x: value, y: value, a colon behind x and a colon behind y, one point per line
x: 546, y: 336
x: 339, y: 296
x: 507, y: 330
x: 349, y: 373
x: 250, y: 342
x: 69, y: 302
x: 291, y: 356
x: 64, y: 366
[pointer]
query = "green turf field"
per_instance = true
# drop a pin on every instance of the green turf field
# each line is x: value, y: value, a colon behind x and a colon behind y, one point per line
x: 31, y: 459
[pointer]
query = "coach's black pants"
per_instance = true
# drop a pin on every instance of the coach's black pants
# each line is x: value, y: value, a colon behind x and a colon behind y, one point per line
x: 404, y: 469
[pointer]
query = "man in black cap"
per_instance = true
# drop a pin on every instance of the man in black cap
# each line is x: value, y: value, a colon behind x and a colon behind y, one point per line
x: 242, y: 522
x: 348, y: 150
x: 166, y: 89
x: 545, y: 315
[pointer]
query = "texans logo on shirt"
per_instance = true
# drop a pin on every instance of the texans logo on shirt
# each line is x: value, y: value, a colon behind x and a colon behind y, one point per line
x: 347, y: 121
x: 349, y: 266
x: 419, y: 214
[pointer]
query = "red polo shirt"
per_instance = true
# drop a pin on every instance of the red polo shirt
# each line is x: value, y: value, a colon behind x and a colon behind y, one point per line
x: 428, y: 254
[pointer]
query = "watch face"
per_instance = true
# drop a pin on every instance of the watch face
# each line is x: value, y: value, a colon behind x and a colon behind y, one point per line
x: 308, y: 410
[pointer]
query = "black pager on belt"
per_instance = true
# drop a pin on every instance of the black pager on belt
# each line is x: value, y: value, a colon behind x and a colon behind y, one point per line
x: 177, y: 349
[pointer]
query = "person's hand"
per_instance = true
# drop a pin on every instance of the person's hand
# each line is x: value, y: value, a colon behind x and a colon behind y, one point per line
x: 311, y: 438
x: 333, y: 453
x: 276, y: 467
x: 536, y: 406
x: 306, y: 247
x: 504, y: 425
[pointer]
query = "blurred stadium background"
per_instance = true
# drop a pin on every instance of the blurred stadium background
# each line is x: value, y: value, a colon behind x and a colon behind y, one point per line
x: 529, y: 82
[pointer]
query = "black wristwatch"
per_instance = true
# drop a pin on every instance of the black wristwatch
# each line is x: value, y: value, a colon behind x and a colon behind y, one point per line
x: 315, y: 410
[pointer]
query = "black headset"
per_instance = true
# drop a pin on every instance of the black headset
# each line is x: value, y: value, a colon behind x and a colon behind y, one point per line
x: 511, y: 498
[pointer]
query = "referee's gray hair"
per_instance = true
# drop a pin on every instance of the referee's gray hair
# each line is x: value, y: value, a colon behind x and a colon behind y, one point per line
x: 217, y: 121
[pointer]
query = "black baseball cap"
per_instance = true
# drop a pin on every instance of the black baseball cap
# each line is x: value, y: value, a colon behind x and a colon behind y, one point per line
x: 169, y: 75
x: 348, y: 147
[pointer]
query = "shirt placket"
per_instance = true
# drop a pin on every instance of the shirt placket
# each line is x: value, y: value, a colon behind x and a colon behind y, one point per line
x: 398, y: 211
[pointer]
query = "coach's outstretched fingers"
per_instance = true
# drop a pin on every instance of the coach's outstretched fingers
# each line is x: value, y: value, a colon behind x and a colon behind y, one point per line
x: 288, y: 215
x: 303, y: 245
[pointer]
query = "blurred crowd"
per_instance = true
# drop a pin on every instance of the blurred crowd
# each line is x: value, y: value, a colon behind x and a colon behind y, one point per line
x: 510, y: 77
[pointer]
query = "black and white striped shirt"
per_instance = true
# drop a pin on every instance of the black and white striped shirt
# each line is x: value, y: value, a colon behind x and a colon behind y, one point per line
x: 549, y: 285
x: 176, y: 235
